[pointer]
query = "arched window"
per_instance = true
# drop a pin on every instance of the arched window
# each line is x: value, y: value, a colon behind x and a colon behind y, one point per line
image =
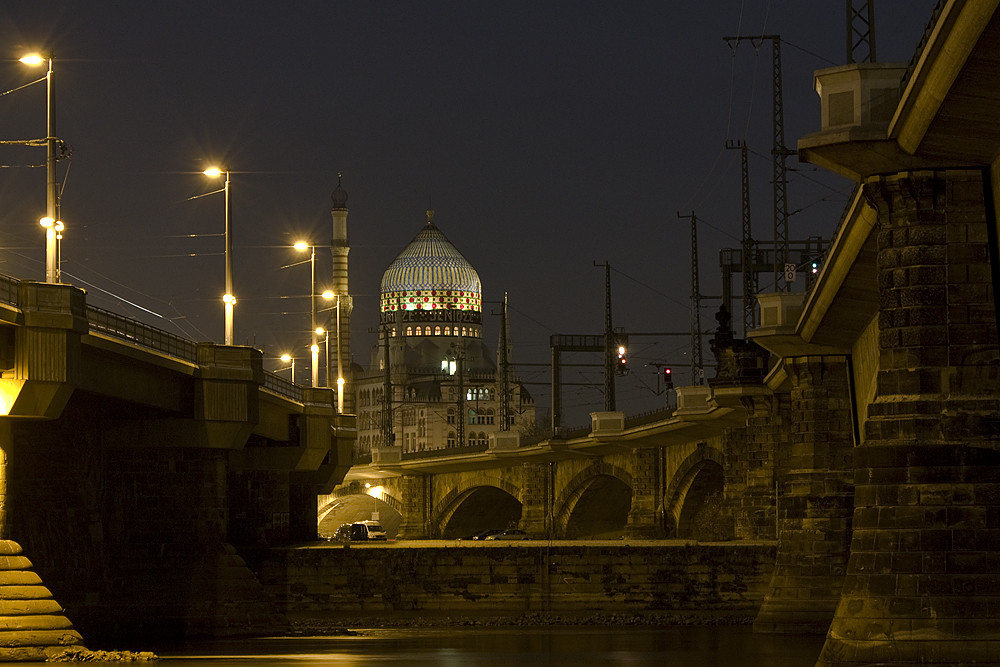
x: 409, y: 331
x: 447, y: 331
x: 451, y: 415
x: 418, y: 331
x: 427, y: 331
x: 437, y: 330
x: 451, y: 438
x: 489, y: 416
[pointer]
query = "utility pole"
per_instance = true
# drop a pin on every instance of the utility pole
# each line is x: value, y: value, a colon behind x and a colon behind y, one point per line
x: 779, y: 155
x: 748, y: 246
x: 609, y: 343
x: 386, y: 391
x: 860, y: 31
x: 503, y: 366
x: 462, y: 412
x: 696, y: 356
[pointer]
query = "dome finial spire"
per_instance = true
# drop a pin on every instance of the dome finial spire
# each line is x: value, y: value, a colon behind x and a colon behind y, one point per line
x: 430, y: 216
x: 339, y: 195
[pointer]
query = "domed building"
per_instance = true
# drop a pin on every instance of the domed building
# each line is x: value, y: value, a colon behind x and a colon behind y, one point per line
x: 432, y: 382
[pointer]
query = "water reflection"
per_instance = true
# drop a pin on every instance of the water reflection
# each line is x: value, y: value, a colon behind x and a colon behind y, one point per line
x: 680, y: 646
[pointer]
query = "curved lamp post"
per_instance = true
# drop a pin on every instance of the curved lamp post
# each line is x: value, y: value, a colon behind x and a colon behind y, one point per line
x: 228, y: 298
x: 51, y: 223
x: 287, y: 358
x: 316, y: 331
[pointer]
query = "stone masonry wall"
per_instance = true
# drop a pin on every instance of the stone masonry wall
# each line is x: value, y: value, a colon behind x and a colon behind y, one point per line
x: 750, y: 476
x: 488, y: 578
x: 921, y: 583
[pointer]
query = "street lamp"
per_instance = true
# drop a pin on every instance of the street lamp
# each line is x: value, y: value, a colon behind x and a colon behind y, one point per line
x: 316, y: 331
x: 50, y: 221
x: 228, y: 298
x: 373, y: 492
x: 289, y: 358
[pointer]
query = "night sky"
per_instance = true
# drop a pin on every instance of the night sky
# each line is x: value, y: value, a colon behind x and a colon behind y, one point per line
x: 547, y: 136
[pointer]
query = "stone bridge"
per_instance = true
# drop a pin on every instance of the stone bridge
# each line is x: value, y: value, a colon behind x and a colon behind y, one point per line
x: 650, y: 479
x: 134, y: 463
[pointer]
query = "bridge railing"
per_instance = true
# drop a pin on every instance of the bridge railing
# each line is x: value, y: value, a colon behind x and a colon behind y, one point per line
x: 276, y: 384
x: 133, y: 331
x: 8, y: 290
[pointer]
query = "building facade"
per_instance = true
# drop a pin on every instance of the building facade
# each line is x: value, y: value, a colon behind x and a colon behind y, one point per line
x: 432, y: 382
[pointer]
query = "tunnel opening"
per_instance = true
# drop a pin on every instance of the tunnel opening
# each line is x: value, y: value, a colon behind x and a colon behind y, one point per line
x: 358, y: 507
x: 602, y: 510
x: 482, y: 508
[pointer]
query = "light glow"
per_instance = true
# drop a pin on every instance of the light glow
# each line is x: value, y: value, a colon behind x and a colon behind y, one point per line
x: 213, y: 172
x: 229, y: 298
x: 328, y: 295
x: 46, y: 221
x: 286, y: 358
x: 301, y: 245
x: 314, y: 349
x: 32, y: 59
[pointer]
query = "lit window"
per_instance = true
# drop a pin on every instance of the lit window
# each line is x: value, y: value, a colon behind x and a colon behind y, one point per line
x: 437, y: 331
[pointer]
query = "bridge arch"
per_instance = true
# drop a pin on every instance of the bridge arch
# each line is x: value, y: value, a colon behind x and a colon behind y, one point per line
x: 480, y: 503
x: 698, y: 483
x: 596, y: 501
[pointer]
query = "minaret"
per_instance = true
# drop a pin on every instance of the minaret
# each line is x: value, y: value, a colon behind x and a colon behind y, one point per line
x: 340, y: 355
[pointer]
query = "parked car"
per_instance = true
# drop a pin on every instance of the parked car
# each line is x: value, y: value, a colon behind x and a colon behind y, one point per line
x: 512, y: 534
x: 485, y: 534
x: 360, y: 531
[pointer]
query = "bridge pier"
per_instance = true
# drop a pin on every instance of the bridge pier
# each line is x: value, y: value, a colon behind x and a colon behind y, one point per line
x: 753, y: 481
x: 415, y: 499
x: 536, y: 499
x: 647, y: 496
x: 921, y: 582
x: 815, y: 499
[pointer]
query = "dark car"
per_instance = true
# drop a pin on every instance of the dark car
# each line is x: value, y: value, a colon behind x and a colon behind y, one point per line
x: 482, y: 535
x: 512, y: 534
x: 360, y: 531
x: 486, y: 534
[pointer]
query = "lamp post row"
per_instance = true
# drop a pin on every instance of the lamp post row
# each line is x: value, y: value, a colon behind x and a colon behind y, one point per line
x: 54, y: 227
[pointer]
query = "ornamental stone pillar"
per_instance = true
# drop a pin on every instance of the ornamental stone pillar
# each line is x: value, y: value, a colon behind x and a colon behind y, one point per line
x: 921, y: 584
x: 814, y: 500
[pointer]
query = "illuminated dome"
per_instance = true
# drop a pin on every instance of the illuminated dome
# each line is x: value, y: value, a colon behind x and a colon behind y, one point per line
x: 430, y: 275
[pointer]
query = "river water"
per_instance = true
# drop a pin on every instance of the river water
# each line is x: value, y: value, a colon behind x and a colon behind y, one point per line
x: 680, y: 646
